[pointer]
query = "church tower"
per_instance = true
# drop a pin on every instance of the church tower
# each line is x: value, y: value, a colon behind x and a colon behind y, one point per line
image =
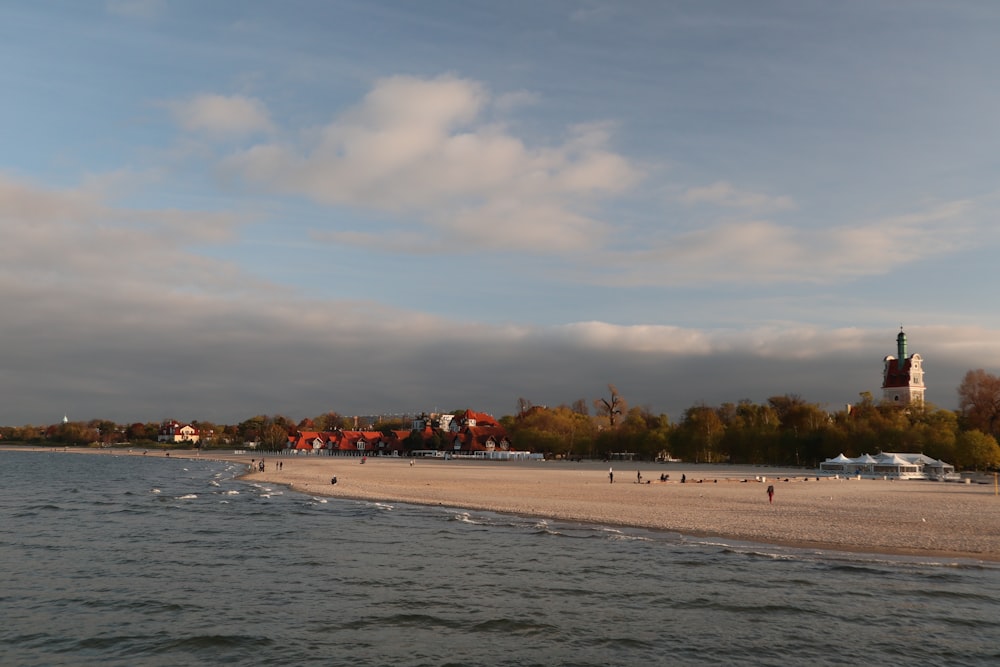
x: 903, y: 376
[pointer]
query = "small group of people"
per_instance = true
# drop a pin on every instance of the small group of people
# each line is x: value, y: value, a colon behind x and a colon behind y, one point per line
x: 259, y: 465
x: 638, y: 476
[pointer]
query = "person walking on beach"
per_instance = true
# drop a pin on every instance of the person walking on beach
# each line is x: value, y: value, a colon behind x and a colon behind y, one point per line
x: 770, y: 493
x: 638, y: 477
x: 611, y: 475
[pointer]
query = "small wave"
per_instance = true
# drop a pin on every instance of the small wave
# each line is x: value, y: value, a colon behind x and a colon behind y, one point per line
x: 508, y: 626
x: 621, y: 643
x: 422, y: 621
x: 155, y: 491
x: 187, y: 496
x: 213, y: 483
x: 202, y: 642
x: 620, y: 535
x: 231, y: 492
x: 47, y: 506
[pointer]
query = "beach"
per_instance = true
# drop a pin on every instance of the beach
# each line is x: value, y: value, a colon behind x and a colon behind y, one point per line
x: 899, y: 517
x: 933, y: 519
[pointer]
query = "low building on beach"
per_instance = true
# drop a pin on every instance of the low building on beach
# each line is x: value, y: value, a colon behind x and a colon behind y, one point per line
x: 891, y: 465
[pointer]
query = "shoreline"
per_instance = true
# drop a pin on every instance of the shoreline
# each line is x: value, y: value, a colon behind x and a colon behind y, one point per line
x: 907, y: 518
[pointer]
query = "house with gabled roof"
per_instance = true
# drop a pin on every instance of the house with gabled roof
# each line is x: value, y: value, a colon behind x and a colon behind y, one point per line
x: 468, y: 433
x: 173, y: 431
x: 347, y: 443
x: 474, y: 419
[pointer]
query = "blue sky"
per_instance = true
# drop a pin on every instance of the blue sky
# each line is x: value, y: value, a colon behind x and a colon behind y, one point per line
x: 214, y: 210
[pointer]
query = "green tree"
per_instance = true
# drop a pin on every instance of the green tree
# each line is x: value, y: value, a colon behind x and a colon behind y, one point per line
x: 140, y: 432
x: 698, y: 434
x: 274, y: 431
x: 977, y: 450
x: 73, y: 433
x: 560, y: 430
x: 331, y: 421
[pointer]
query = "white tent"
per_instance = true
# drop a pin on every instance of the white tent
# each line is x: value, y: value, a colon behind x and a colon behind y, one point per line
x: 836, y: 464
x: 894, y: 465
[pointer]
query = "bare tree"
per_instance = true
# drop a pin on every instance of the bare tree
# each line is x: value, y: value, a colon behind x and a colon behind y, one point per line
x: 611, y: 407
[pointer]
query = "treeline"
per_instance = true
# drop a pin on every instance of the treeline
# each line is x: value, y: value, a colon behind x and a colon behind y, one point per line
x: 784, y: 430
x: 271, y: 432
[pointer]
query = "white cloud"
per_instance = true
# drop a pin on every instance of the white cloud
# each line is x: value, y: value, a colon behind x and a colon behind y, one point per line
x: 76, y: 241
x: 222, y: 115
x: 416, y: 147
x: 107, y: 314
x: 762, y: 251
x: 722, y: 193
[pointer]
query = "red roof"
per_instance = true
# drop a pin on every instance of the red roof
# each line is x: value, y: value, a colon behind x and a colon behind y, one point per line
x: 896, y: 376
x: 481, y: 418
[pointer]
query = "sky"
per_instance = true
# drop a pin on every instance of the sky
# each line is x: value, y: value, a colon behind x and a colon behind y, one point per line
x: 210, y: 211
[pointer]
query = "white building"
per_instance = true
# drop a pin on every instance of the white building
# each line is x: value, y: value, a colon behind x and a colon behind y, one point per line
x: 173, y: 431
x: 891, y: 465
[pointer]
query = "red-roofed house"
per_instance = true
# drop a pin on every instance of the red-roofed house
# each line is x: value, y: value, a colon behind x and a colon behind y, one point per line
x: 473, y: 433
x: 470, y: 418
x: 347, y: 443
x: 174, y: 431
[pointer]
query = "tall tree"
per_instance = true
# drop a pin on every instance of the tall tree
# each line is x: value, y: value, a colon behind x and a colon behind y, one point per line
x: 699, y: 433
x: 979, y: 401
x: 611, y: 407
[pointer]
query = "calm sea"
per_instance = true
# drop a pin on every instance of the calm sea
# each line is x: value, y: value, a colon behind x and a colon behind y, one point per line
x: 114, y: 560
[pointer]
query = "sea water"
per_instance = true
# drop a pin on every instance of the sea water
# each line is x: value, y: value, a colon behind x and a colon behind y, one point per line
x: 132, y: 560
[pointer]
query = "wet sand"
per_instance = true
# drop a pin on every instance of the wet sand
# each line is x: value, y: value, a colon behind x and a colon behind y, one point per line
x: 932, y: 519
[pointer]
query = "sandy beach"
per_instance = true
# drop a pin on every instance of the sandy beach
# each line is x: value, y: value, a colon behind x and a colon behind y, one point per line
x: 922, y: 518
x: 901, y: 517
